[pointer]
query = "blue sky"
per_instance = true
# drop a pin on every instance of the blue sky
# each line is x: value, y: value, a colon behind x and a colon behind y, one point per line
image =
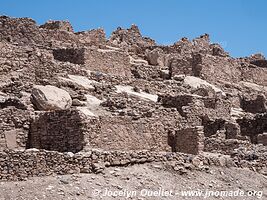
x: 240, y: 26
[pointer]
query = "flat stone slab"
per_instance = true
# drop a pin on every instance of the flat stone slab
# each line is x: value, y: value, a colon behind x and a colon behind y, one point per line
x: 143, y: 95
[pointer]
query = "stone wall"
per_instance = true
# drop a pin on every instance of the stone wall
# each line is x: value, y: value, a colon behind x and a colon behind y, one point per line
x: 16, y: 68
x: 212, y: 69
x: 130, y: 38
x: 96, y: 37
x: 189, y: 140
x: 21, y: 31
x: 61, y: 130
x: 53, y: 34
x: 197, y: 109
x: 254, y: 74
x: 123, y: 133
x: 25, y: 31
x: 58, y: 25
x: 71, y: 55
x: 20, y: 165
x: 180, y: 66
x: 108, y: 61
x: 14, y: 128
x: 21, y: 68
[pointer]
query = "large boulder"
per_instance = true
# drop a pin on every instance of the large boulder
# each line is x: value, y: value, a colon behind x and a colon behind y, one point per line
x: 50, y: 98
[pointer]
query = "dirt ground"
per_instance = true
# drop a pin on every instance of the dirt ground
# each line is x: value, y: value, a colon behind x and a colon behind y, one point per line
x: 147, y: 181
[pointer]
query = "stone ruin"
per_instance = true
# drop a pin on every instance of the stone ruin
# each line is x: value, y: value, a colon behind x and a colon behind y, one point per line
x: 188, y: 140
x: 64, y: 94
x: 61, y: 131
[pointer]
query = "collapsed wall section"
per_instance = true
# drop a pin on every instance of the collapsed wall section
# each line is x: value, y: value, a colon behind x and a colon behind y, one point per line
x: 58, y: 25
x: 253, y: 126
x: 55, y: 34
x: 96, y: 37
x: 254, y: 103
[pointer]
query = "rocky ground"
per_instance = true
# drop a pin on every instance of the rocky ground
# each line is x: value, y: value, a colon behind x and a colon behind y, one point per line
x: 144, y: 179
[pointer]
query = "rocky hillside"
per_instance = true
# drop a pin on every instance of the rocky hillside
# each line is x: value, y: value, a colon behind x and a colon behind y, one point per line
x: 78, y: 102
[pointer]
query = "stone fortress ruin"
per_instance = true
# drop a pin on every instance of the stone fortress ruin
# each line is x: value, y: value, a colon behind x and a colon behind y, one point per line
x: 79, y: 102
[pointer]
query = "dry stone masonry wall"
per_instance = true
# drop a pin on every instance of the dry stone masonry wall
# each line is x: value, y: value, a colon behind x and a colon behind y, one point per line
x: 189, y: 140
x: 20, y: 165
x: 62, y: 131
